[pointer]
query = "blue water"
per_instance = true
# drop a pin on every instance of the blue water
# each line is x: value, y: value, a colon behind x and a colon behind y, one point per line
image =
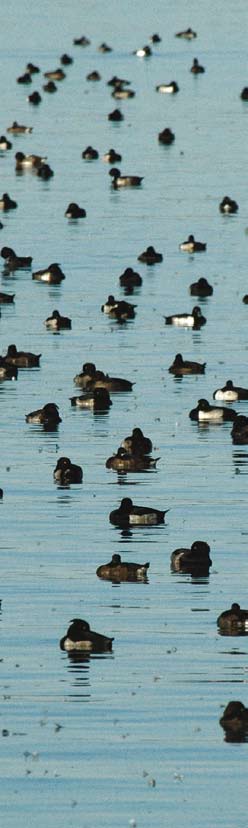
x: 133, y: 737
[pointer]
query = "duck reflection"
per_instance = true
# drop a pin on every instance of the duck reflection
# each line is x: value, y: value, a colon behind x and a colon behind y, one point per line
x: 235, y: 722
x: 240, y: 461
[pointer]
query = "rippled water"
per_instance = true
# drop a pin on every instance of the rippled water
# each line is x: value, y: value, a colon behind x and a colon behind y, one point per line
x: 132, y: 736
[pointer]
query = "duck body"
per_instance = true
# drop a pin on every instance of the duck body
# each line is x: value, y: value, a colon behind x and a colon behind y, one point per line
x: 7, y: 203
x: 239, y: 432
x: 90, y: 154
x: 7, y: 372
x: 187, y: 34
x: 144, y: 51
x: 57, y: 322
x: 67, y: 472
x: 116, y: 115
x: 80, y: 637
x: 19, y: 129
x: 6, y: 298
x: 196, y: 68
x: 35, y: 98
x: 96, y: 400
x: 192, y: 246
x: 181, y: 366
x: 201, y: 288
x: 53, y: 274
x: 233, y: 620
x: 130, y: 515
x: 168, y: 88
x: 50, y: 87
x: 204, y: 412
x: 81, y: 41
x: 195, y: 319
x: 73, y: 211
x: 112, y: 157
x: 119, y: 180
x: 231, y: 393
x: 14, y: 262
x: 66, y: 60
x: 150, y: 256
x: 137, y: 443
x: 130, y: 279
x: 48, y: 416
x: 93, y: 76
x: 235, y: 722
x: 90, y: 378
x: 244, y: 94
x: 5, y: 144
x: 23, y: 359
x: 124, y: 461
x: 45, y: 172
x: 118, y: 570
x: 228, y: 206
x: 55, y: 74
x: 193, y: 561
x: 119, y: 309
x: 166, y: 136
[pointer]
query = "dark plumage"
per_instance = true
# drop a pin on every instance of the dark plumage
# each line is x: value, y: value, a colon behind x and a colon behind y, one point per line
x: 48, y: 416
x: 130, y: 515
x: 67, y: 472
x: 182, y: 366
x: 195, y: 561
x: 80, y: 637
x: 117, y: 570
x: 201, y: 288
x: 233, y: 621
x: 204, y: 412
x: 23, y: 359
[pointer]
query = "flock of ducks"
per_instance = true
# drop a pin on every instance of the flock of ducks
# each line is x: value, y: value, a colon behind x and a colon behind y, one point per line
x: 134, y: 453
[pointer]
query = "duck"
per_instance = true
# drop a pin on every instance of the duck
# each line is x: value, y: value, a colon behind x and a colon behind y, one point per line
x: 245, y: 299
x: 50, y: 87
x: 144, y: 51
x: 67, y: 472
x: 150, y: 256
x: 51, y: 274
x: 136, y: 443
x: 166, y: 136
x: 104, y: 48
x: 45, y: 172
x: 196, y: 67
x: 130, y: 515
x: 119, y: 180
x: 181, y: 366
x: 90, y: 154
x: 23, y: 359
x: 32, y: 69
x: 96, y: 400
x: 116, y: 81
x: 121, y: 93
x: 155, y: 38
x: 73, y: 211
x: 239, y: 432
x: 35, y: 98
x: 66, y: 60
x: 7, y: 372
x: 25, y: 78
x: 168, y: 88
x: 233, y: 620
x: 7, y: 203
x: 81, y: 41
x: 192, y: 246
x: 28, y: 161
x: 93, y: 76
x: 130, y: 279
x: 90, y: 378
x: 14, y: 262
x: 57, y: 322
x: 19, y: 129
x: 211, y: 413
x: 194, y: 561
x: 55, y: 74
x: 244, y: 94
x: 118, y: 570
x: 116, y: 115
x: 201, y: 288
x: 195, y: 319
x: 187, y: 34
x: 6, y: 298
x: 48, y: 416
x: 80, y: 637
x: 228, y: 205
x: 124, y: 461
x: 112, y: 157
x: 119, y: 309
x: 5, y: 144
x: 235, y: 721
x: 230, y: 392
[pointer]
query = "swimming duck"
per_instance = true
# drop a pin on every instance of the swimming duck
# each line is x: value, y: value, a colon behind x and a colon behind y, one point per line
x: 228, y: 205
x: 81, y: 41
x: 14, y: 262
x: 23, y: 359
x: 130, y: 279
x: 118, y: 570
x: 239, y: 432
x: 201, y: 288
x: 204, y: 412
x: 73, y: 211
x: 192, y: 246
x: 96, y: 400
x: 19, y: 129
x: 119, y: 180
x: 80, y: 637
x: 90, y: 378
x: 44, y: 171
x: 121, y: 93
x: 7, y: 203
x: 196, y: 68
x: 137, y: 443
x: 104, y: 48
x: 187, y: 34
x: 195, y: 561
x: 116, y: 115
x: 130, y: 515
x: 66, y: 60
x: 245, y: 299
x: 181, y: 366
x: 244, y: 94
x: 90, y: 154
x: 93, y: 76
x: 124, y: 461
x: 57, y: 322
x: 145, y: 51
x: 7, y: 372
x: 233, y: 620
x: 52, y: 274
x: 112, y: 157
x: 32, y: 69
x: 168, y: 88
x: 28, y: 161
x: 55, y: 74
x: 67, y: 472
x: 231, y: 392
x: 187, y: 320
x: 25, y: 78
x: 116, y: 81
x: 150, y: 256
x: 35, y: 98
x: 119, y: 309
x: 166, y: 136
x: 6, y: 298
x: 50, y: 87
x: 48, y: 416
x: 235, y: 722
x: 5, y: 144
